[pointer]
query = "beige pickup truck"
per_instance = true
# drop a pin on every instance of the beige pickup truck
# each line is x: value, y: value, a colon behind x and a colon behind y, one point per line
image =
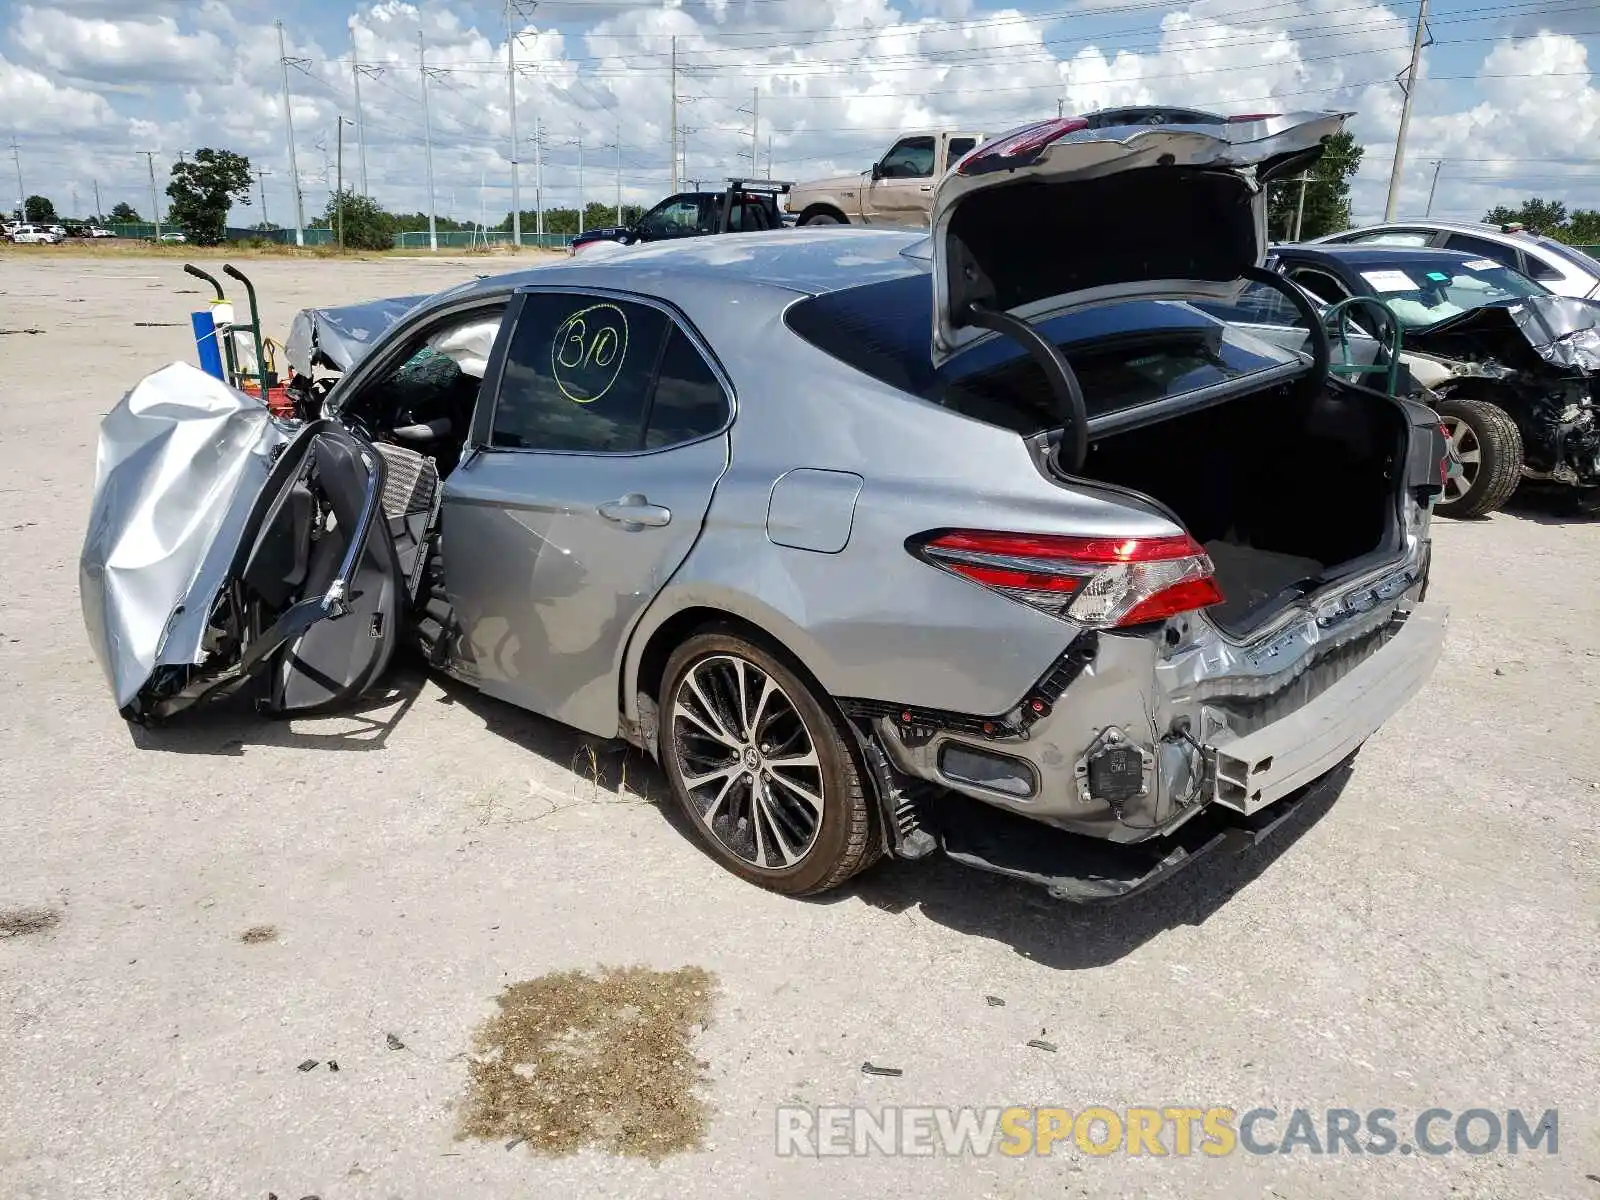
x: 896, y: 191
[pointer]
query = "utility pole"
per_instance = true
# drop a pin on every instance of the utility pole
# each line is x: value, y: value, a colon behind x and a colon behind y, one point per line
x: 538, y: 174
x: 1437, y: 163
x: 294, y: 169
x: 74, y: 202
x: 674, y: 117
x: 150, y: 160
x: 22, y: 192
x: 99, y: 213
x: 755, y: 131
x: 769, y: 156
x: 511, y: 86
x: 261, y: 182
x: 361, y: 120
x: 619, y: 172
x: 1300, y: 207
x: 580, y: 185
x: 338, y: 188
x: 1409, y: 88
x: 427, y: 130
x: 1061, y: 108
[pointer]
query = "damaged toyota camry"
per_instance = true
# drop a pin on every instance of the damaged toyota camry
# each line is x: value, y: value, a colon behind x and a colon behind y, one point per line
x: 880, y: 543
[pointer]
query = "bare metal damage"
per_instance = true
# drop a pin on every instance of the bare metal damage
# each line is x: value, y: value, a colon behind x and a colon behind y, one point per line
x: 180, y: 458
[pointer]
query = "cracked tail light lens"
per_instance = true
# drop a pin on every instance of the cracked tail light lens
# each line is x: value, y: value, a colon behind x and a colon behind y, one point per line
x: 1019, y: 149
x: 1104, y: 583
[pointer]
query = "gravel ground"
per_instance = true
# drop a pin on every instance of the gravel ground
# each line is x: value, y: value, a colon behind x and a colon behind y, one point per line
x: 1429, y: 939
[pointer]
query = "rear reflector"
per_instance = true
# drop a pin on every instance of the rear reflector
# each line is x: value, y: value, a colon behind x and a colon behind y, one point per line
x: 1099, y: 582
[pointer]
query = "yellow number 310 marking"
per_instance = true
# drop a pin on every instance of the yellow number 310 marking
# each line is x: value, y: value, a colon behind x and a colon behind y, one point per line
x: 587, y: 352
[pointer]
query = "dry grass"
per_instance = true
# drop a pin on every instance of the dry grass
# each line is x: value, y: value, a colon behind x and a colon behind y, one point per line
x: 17, y: 922
x: 605, y: 1060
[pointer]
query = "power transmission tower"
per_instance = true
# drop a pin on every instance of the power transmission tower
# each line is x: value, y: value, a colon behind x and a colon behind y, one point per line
x: 150, y: 160
x: 427, y: 130
x: 338, y: 190
x: 357, y: 70
x: 619, y: 172
x: 579, y: 143
x: 261, y: 182
x: 538, y: 175
x: 285, y: 62
x: 1409, y: 87
x: 755, y: 129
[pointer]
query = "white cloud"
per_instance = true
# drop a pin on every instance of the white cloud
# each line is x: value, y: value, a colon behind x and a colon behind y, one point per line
x: 151, y: 50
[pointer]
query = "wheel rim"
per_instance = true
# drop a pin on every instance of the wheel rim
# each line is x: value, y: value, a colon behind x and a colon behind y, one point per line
x: 748, y: 762
x: 1469, y: 454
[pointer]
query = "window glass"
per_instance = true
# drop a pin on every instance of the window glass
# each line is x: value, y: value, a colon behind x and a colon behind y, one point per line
x: 1394, y: 237
x: 1423, y: 290
x: 1324, y: 287
x: 911, y: 158
x: 1539, y: 269
x: 577, y: 374
x: 678, y: 217
x: 1483, y: 248
x: 689, y: 401
x: 958, y: 148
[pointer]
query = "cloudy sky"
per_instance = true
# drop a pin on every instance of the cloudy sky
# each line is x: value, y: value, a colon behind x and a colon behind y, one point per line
x: 1508, y: 102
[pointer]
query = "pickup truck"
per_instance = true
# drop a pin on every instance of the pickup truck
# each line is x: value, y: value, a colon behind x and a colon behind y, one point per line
x: 896, y: 191
x: 744, y: 206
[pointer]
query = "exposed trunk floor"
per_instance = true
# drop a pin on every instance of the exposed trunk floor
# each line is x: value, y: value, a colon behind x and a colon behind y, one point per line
x: 1251, y: 578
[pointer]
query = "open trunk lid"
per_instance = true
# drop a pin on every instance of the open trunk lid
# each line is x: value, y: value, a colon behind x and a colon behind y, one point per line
x: 1073, y: 212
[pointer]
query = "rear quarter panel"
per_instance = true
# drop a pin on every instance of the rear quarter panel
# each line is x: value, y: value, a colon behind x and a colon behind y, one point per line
x: 870, y: 620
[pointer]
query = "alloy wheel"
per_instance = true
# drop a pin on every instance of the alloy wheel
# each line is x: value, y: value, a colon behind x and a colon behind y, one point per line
x: 1464, y: 444
x: 747, y: 762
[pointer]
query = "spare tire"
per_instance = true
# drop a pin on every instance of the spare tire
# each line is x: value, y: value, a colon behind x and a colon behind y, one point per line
x: 1489, y: 445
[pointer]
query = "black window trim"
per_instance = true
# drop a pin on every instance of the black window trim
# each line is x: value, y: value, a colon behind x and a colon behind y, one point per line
x: 480, y: 438
x: 1316, y: 268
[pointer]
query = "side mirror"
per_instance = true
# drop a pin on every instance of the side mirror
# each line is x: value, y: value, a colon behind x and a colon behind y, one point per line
x: 877, y: 170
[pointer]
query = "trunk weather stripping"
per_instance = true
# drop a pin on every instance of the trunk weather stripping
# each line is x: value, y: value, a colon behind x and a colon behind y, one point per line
x: 1073, y: 446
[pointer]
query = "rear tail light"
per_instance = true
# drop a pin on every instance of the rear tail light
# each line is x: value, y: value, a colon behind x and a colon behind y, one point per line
x: 1100, y: 582
x: 1238, y: 118
x: 1019, y: 149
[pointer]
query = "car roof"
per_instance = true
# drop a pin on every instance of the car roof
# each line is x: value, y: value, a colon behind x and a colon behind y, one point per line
x: 805, y: 261
x: 1386, y: 255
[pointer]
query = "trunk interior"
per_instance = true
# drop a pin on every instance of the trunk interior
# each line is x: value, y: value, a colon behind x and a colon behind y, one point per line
x: 1286, y: 490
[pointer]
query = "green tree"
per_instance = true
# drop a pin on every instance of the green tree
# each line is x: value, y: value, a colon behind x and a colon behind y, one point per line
x: 1584, y: 228
x: 204, y: 189
x: 38, y: 210
x: 366, y: 225
x: 1534, y: 215
x: 1327, y: 193
x: 125, y: 214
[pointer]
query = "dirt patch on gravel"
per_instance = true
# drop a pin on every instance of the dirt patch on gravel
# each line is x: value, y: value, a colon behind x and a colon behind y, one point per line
x: 18, y: 922
x: 257, y: 934
x: 605, y: 1060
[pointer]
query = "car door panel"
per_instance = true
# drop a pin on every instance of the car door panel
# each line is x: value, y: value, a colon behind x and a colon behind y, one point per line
x: 552, y: 554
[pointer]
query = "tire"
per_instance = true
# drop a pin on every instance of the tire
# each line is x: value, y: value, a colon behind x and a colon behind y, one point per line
x: 758, y: 818
x: 1487, y: 433
x: 822, y: 219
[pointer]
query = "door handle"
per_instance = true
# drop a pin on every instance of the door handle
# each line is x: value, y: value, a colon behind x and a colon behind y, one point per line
x: 634, y: 511
x: 927, y: 187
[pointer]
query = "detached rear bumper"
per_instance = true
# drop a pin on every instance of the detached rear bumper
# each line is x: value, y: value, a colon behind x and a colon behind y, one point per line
x: 1264, y: 766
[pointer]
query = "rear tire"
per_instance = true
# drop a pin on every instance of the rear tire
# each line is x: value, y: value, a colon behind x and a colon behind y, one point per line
x: 821, y: 219
x: 762, y: 768
x: 1490, y: 447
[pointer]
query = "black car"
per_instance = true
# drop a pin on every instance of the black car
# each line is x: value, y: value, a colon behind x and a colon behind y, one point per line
x: 1514, y: 370
x: 744, y: 206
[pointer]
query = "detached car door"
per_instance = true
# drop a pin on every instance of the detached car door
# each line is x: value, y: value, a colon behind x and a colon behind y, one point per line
x: 593, y: 460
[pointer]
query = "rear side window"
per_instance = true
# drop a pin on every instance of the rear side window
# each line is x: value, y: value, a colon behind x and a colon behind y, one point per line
x: 1483, y: 248
x: 1538, y: 269
x: 578, y: 374
x: 689, y: 402
x: 958, y: 148
x: 1394, y: 237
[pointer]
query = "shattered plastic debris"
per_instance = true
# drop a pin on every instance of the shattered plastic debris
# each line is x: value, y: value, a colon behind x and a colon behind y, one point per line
x: 1041, y: 1044
x: 994, y: 1002
x: 868, y: 1069
x: 394, y: 1042
x: 310, y: 1064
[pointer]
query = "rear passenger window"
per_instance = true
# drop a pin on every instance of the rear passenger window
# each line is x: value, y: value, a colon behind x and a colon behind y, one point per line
x: 578, y: 374
x: 1539, y: 269
x: 689, y: 401
x: 957, y: 149
x: 1483, y: 248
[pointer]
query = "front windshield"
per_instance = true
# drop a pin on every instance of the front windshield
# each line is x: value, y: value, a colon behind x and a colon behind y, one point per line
x: 1423, y: 291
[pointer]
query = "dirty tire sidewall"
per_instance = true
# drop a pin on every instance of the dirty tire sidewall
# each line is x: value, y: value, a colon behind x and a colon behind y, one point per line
x: 844, y: 843
x: 1500, y: 461
x: 822, y: 219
